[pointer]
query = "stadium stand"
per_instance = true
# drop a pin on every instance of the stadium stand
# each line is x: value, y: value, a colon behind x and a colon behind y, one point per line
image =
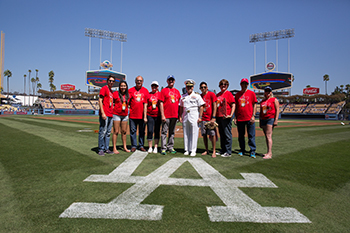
x: 82, y: 104
x: 62, y: 104
x: 336, y: 108
x: 94, y: 103
x: 45, y: 103
x: 316, y: 108
x: 295, y: 108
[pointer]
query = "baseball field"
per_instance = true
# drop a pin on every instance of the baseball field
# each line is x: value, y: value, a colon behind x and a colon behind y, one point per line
x: 52, y: 180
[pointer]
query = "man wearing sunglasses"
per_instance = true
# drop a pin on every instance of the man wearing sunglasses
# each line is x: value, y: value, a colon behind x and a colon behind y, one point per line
x: 209, y: 115
x: 191, y: 111
x: 105, y: 103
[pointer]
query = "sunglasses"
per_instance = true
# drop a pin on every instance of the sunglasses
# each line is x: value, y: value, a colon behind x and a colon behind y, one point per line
x: 203, y: 87
x: 223, y: 84
x: 111, y: 81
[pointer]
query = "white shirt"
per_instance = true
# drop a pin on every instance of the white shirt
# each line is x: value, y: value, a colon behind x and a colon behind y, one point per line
x: 191, y: 104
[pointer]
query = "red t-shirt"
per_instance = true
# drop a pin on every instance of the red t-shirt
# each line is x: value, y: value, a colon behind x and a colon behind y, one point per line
x: 224, y: 102
x: 107, y: 101
x: 244, y: 105
x: 267, y: 108
x: 209, y: 99
x: 120, y: 105
x: 153, y: 104
x: 136, y: 100
x: 170, y: 99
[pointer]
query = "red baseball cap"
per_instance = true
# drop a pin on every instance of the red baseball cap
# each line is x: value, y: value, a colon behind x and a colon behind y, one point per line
x: 244, y: 80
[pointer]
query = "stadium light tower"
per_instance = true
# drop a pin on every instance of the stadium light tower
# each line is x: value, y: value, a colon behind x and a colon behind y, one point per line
x: 107, y: 35
x: 273, y: 35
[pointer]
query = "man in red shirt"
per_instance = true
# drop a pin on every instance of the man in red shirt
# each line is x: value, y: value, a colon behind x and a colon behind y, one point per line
x: 138, y: 97
x: 105, y: 103
x: 209, y: 115
x: 245, y: 117
x: 169, y: 111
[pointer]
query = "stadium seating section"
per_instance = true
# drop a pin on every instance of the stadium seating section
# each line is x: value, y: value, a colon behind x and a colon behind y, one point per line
x: 69, y: 104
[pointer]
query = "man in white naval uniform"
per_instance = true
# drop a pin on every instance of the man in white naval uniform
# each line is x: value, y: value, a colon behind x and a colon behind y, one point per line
x: 190, y: 115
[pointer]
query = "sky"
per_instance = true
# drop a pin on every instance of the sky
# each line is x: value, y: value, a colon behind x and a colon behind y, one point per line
x: 203, y: 40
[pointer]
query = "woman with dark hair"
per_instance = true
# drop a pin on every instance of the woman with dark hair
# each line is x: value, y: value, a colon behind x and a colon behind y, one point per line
x: 120, y: 115
x: 269, y: 112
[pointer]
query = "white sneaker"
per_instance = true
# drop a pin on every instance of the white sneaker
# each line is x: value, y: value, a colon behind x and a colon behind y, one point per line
x: 150, y: 150
x: 193, y: 154
x: 155, y: 150
x: 186, y: 153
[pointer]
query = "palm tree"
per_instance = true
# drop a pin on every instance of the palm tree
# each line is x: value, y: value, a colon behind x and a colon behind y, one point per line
x: 38, y: 86
x: 326, y: 79
x: 33, y: 86
x: 25, y: 76
x: 51, y: 75
x: 29, y: 71
x: 36, y: 82
x: 347, y: 88
x: 308, y: 86
x: 341, y: 88
x: 8, y: 73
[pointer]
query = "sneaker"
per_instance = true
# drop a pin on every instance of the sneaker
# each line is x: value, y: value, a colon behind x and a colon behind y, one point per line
x: 193, y: 154
x: 109, y: 152
x: 240, y: 153
x: 226, y: 155
x: 252, y: 155
x: 163, y: 152
x: 155, y: 150
x: 150, y: 150
x: 173, y: 151
x: 186, y: 153
x: 218, y: 153
x: 101, y: 153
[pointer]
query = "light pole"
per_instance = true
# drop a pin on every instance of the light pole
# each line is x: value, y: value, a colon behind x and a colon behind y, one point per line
x: 108, y: 35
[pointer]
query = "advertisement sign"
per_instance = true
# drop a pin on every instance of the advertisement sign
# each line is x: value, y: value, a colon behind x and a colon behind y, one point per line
x: 276, y: 80
x: 67, y: 87
x: 98, y: 78
x: 270, y: 66
x: 311, y: 91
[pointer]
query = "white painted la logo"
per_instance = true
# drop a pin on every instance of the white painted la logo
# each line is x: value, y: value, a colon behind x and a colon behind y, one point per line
x: 239, y: 207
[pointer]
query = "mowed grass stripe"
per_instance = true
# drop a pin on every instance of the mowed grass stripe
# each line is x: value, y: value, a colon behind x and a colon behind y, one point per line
x: 54, y: 122
x: 79, y: 142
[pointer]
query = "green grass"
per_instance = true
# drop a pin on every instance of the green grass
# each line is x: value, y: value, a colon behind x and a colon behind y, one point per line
x: 43, y: 164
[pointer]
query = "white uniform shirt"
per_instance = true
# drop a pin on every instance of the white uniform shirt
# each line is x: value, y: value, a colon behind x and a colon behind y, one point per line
x: 191, y: 104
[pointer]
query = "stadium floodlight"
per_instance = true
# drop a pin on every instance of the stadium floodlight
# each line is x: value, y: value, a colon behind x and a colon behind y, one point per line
x: 107, y: 35
x: 103, y: 34
x: 274, y: 35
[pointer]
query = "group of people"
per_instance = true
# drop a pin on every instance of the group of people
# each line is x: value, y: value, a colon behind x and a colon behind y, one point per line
x: 205, y: 112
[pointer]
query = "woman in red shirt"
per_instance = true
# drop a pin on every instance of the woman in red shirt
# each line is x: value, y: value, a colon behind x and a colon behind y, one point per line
x: 225, y: 109
x: 120, y: 115
x: 269, y: 112
x: 152, y: 117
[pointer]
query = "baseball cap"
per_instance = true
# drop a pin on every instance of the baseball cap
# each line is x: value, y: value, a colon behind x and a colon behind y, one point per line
x: 244, y: 80
x: 190, y: 83
x: 169, y: 77
x: 268, y: 88
x: 154, y: 83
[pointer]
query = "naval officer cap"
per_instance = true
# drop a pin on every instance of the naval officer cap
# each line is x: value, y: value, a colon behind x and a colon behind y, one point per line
x: 189, y: 83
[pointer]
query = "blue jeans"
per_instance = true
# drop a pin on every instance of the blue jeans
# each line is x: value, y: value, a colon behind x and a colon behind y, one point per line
x: 225, y: 131
x: 241, y: 125
x: 133, y: 129
x: 104, y: 133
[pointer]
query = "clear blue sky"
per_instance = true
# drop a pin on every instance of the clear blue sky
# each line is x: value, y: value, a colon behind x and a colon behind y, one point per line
x: 202, y: 40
